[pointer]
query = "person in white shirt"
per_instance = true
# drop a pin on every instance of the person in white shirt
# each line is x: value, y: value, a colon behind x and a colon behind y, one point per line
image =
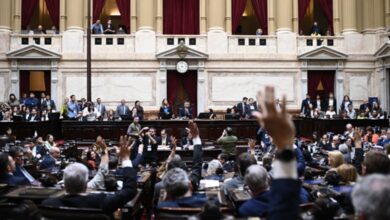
x: 330, y: 113
x: 90, y: 113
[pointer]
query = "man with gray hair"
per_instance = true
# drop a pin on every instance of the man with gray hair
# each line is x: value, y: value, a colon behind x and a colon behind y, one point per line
x: 256, y: 177
x: 370, y: 197
x: 76, y: 178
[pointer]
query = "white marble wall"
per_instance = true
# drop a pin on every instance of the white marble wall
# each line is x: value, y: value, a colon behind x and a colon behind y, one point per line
x: 4, y: 86
x: 358, y: 86
x: 226, y: 89
x: 112, y: 87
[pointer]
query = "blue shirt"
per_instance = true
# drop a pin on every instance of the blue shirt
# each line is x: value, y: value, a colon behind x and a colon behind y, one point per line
x: 73, y: 109
x: 194, y: 201
x: 257, y: 206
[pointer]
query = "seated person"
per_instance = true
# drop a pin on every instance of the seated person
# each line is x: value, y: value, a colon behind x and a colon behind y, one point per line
x: 227, y: 166
x: 185, y: 112
x: 49, y: 161
x: 213, y: 171
x: 243, y: 162
x: 165, y: 110
x: 256, y: 177
x: 330, y: 113
x: 164, y: 140
x: 7, y: 168
x: 17, y: 155
x: 76, y: 178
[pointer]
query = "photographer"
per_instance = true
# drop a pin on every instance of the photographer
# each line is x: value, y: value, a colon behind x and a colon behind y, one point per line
x: 228, y: 141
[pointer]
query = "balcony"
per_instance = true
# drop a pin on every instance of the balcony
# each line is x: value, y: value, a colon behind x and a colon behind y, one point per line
x: 307, y: 43
x: 166, y: 42
x: 244, y: 44
x: 112, y: 46
x: 47, y: 41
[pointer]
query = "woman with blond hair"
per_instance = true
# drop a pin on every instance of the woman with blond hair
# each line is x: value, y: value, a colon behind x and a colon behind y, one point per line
x: 348, y: 173
x: 335, y: 159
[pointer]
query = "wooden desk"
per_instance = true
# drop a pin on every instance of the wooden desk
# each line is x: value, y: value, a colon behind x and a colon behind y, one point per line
x: 209, y: 129
x: 37, y: 194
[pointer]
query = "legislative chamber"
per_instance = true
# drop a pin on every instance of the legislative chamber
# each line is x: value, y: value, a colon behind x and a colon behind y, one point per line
x: 194, y: 109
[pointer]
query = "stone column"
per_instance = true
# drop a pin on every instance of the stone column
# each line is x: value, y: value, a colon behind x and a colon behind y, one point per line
x: 62, y: 15
x: 203, y: 17
x: 201, y: 87
x: 295, y: 17
x: 228, y: 17
x: 145, y: 37
x: 387, y: 14
x: 15, y: 78
x: 303, y: 80
x: 145, y: 15
x: 5, y: 15
x: 54, y: 81
x: 339, y: 94
x: 284, y: 9
x: 162, y: 72
x: 17, y: 9
x: 74, y: 14
x: 379, y: 15
x: 336, y: 17
x: 368, y: 16
x: 349, y: 16
x: 216, y: 14
x: 271, y: 17
x: 159, y: 17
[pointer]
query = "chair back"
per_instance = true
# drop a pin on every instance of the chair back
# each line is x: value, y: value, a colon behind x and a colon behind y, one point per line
x: 64, y: 213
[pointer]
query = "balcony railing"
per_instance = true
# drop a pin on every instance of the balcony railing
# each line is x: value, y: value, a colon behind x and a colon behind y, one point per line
x: 113, y: 46
x: 306, y: 43
x: 251, y: 44
x: 47, y: 41
x: 166, y: 42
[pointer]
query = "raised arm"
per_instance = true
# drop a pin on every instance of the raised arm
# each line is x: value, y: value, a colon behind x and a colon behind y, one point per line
x: 285, y: 186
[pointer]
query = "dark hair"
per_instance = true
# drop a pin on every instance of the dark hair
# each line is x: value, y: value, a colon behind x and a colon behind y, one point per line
x: 245, y: 98
x: 244, y: 161
x: 72, y: 96
x: 110, y: 184
x: 14, y: 150
x: 376, y: 162
x: 3, y: 162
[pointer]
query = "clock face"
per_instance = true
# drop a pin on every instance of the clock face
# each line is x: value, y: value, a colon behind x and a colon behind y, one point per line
x: 182, y: 66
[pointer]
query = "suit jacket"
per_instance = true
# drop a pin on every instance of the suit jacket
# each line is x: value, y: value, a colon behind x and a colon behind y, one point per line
x: 12, y: 180
x: 305, y: 106
x: 242, y: 109
x: 122, y: 110
x: 111, y: 27
x: 284, y: 203
x: 33, y: 118
x: 18, y: 173
x: 165, y: 113
x: 48, y: 162
x: 51, y: 103
x: 257, y: 206
x: 183, y: 113
x: 106, y: 202
x: 321, y: 106
x: 101, y: 108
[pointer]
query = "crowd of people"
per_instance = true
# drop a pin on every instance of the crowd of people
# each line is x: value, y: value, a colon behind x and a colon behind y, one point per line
x: 341, y: 174
x: 328, y: 108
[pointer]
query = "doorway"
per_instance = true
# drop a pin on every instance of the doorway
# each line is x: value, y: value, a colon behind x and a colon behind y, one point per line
x: 320, y: 82
x: 36, y: 81
x: 182, y: 87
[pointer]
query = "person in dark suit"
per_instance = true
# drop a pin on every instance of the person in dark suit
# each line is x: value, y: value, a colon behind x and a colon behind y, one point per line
x: 49, y: 160
x: 344, y: 104
x: 315, y: 29
x: 7, y: 167
x: 250, y: 107
x: 165, y: 110
x: 17, y: 155
x: 150, y: 142
x: 331, y: 102
x: 185, y: 112
x: 318, y: 103
x: 34, y: 115
x: 242, y: 107
x: 305, y: 106
x: 100, y: 107
x: 76, y: 178
x: 256, y: 178
x: 284, y: 202
x: 122, y: 109
x: 364, y: 106
x: 138, y: 110
x: 109, y: 28
x: 48, y: 102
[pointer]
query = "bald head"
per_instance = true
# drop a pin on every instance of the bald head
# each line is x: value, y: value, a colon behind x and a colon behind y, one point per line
x: 55, y: 152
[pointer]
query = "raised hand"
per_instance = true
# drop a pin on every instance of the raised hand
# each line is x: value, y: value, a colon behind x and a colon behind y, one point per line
x: 277, y: 123
x: 125, y: 146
